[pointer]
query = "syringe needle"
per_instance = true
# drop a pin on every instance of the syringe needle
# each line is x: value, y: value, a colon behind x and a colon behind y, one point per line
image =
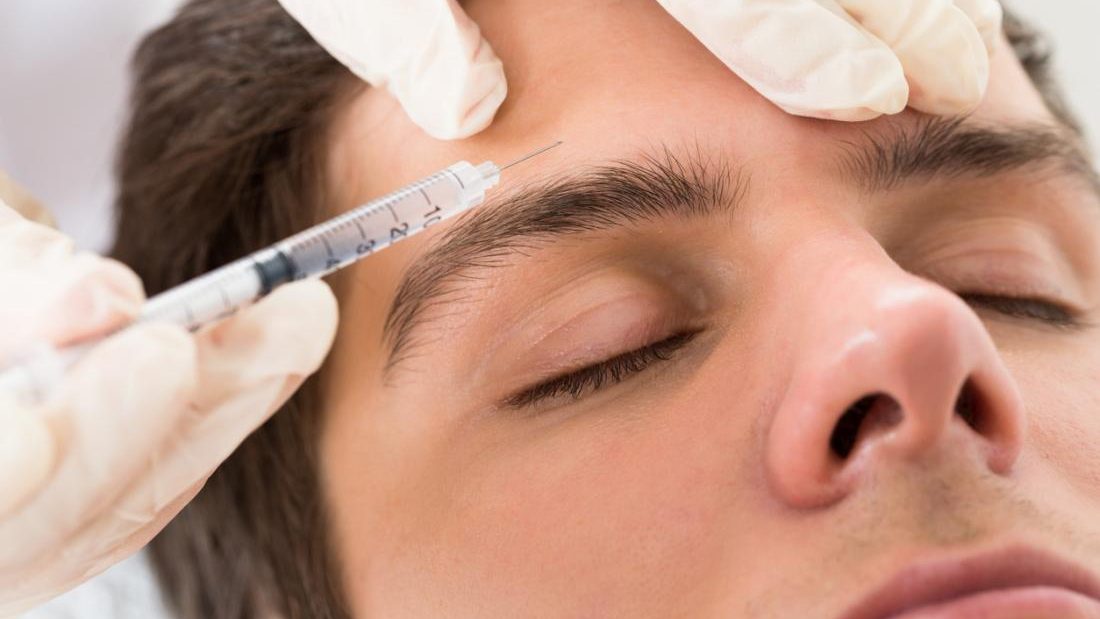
x: 530, y: 155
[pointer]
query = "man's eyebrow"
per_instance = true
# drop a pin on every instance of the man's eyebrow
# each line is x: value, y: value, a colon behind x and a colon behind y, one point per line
x: 694, y: 184
x: 946, y: 148
x: 613, y: 195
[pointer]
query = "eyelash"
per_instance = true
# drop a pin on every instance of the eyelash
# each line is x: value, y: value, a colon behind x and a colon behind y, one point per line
x: 595, y: 377
x: 1048, y: 312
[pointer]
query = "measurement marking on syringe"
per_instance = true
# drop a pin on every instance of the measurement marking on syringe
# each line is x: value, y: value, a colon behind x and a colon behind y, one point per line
x: 460, y: 183
x: 393, y: 212
x: 362, y: 233
x: 426, y: 197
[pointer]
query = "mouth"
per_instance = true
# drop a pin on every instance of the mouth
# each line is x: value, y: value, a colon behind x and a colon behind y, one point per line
x: 1017, y: 581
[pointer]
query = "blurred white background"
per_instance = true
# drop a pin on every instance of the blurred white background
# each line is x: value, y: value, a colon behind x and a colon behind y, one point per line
x: 63, y: 66
x: 63, y: 76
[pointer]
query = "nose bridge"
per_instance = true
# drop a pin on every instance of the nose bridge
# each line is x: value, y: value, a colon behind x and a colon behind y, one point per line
x: 887, y: 365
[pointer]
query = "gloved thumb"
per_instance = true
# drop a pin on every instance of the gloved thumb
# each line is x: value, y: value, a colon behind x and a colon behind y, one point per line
x: 428, y: 53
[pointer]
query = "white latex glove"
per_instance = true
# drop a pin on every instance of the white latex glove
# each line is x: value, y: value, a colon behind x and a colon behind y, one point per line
x: 139, y: 423
x: 846, y: 60
x: 852, y: 60
x: 428, y: 53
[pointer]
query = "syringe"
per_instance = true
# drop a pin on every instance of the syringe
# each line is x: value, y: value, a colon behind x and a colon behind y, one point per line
x: 316, y: 252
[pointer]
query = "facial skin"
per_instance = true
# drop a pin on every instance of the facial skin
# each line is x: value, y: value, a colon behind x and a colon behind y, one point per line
x: 705, y: 485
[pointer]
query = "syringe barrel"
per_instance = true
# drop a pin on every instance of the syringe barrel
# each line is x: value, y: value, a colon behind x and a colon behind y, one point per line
x: 326, y: 247
x: 207, y: 298
x: 39, y: 372
x: 363, y: 231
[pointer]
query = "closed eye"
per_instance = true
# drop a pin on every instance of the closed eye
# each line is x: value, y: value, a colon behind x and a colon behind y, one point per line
x: 590, y: 379
x: 1044, y: 311
x: 585, y: 381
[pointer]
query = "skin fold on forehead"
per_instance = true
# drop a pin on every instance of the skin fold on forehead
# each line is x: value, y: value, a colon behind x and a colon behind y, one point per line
x: 427, y: 498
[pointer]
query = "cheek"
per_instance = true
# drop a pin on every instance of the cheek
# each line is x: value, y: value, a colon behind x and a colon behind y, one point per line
x: 616, y: 506
x: 1062, y: 395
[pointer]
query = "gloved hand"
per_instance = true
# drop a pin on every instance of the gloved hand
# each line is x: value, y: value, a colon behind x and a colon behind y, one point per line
x: 852, y: 60
x: 139, y: 423
x: 428, y: 53
x: 837, y: 59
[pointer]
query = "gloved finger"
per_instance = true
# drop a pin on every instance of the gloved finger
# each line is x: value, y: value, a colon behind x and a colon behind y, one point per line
x: 118, y: 407
x: 248, y: 366
x: 945, y: 58
x: 27, y: 453
x: 64, y: 299
x: 23, y: 202
x: 988, y: 17
x: 287, y: 334
x: 806, y: 56
x: 428, y: 53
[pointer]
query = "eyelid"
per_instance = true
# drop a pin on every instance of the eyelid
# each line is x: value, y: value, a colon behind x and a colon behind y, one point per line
x: 595, y: 377
x: 593, y: 337
x: 606, y: 317
x: 1003, y: 256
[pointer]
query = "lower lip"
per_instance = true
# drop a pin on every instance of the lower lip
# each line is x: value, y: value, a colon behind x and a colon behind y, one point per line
x: 1021, y: 603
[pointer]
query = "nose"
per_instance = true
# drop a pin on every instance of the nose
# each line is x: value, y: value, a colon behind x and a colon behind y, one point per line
x: 888, y: 367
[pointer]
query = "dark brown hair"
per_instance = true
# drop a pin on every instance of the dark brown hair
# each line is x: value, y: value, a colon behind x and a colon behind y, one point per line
x: 226, y: 153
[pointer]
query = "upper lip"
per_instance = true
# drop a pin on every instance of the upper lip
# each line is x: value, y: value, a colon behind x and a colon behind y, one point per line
x: 942, y: 580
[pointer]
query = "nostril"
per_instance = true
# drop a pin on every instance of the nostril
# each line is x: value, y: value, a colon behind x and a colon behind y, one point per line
x: 847, y: 427
x: 868, y: 415
x: 967, y: 406
x: 879, y: 411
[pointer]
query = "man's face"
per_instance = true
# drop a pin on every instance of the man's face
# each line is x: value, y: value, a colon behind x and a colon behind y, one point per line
x: 707, y: 359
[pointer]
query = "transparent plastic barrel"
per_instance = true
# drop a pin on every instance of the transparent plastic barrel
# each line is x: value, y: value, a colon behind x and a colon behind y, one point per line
x: 387, y: 220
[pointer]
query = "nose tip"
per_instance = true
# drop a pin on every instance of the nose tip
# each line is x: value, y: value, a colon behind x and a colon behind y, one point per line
x: 891, y: 378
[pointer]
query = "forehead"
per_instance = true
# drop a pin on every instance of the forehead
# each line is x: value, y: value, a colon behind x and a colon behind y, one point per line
x: 612, y: 79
